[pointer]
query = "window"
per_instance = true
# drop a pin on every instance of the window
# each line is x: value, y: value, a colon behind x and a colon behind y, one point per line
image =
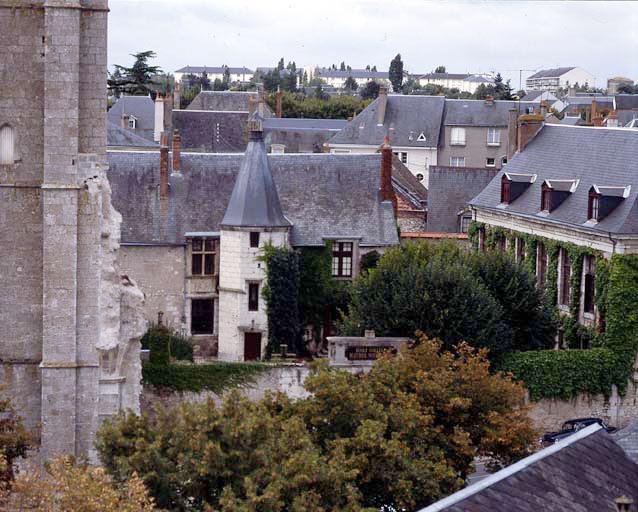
x: 546, y: 202
x: 203, y: 252
x: 419, y: 177
x: 253, y: 296
x: 132, y: 122
x: 503, y: 160
x: 590, y: 284
x: 466, y: 220
x: 403, y: 156
x: 505, y: 189
x: 7, y: 145
x: 254, y: 238
x: 565, y: 291
x: 594, y: 206
x: 520, y: 250
x: 493, y: 137
x: 541, y: 263
x: 457, y: 136
x: 342, y: 259
x: 490, y: 162
x: 202, y: 316
x: 457, y: 161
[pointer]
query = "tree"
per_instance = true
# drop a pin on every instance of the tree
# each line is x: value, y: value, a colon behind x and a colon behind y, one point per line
x: 320, y: 94
x: 401, y: 436
x: 136, y: 80
x: 350, y: 84
x: 440, y: 69
x: 483, y: 299
x: 395, y: 73
x: 280, y: 64
x: 627, y: 89
x: 370, y: 90
x: 502, y: 90
x: 342, y: 66
x: 374, y: 68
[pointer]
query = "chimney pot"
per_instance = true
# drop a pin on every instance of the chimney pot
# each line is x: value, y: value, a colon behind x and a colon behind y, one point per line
x: 387, y: 190
x: 382, y: 104
x: 164, y: 165
x: 528, y: 126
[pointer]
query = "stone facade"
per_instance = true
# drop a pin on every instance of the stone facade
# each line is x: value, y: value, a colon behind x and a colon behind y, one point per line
x: 58, y: 233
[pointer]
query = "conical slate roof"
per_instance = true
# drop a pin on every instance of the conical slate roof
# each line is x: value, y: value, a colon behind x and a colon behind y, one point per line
x: 254, y: 201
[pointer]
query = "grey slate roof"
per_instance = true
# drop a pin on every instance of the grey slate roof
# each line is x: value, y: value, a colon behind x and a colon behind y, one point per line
x: 301, y: 135
x: 116, y: 136
x: 479, y: 112
x: 228, y: 101
x: 405, y: 116
x: 627, y: 439
x: 585, y: 101
x: 601, y: 156
x: 141, y: 107
x: 300, y: 124
x: 626, y: 101
x: 551, y: 73
x: 585, y: 472
x: 254, y: 201
x: 196, y: 70
x: 323, y: 195
x: 354, y: 73
x: 212, y: 131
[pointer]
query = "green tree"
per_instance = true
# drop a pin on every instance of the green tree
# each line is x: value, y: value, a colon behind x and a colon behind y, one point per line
x: 440, y: 69
x: 342, y: 67
x: 395, y: 73
x: 136, y: 80
x: 401, y: 436
x: 15, y: 440
x: 370, y: 90
x: 280, y: 64
x: 502, y: 90
x: 350, y: 84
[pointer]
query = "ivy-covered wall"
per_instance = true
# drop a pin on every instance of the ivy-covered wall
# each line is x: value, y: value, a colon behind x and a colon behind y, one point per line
x: 564, y: 374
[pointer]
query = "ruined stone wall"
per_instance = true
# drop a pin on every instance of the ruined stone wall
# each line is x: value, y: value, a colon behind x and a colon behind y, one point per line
x: 159, y: 272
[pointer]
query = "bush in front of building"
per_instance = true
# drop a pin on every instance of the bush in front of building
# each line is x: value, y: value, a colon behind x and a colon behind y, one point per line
x: 165, y: 344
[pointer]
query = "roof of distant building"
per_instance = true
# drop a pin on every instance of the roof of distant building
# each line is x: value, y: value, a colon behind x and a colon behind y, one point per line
x: 468, y: 77
x: 406, y: 118
x: 116, y: 136
x: 586, y: 471
x: 354, y: 73
x: 538, y: 96
x: 219, y: 101
x: 197, y: 70
x: 551, y: 73
x: 212, y: 131
x: 590, y: 155
x: 585, y: 101
x: 302, y: 124
x: 481, y: 112
x: 322, y: 195
x: 140, y: 107
x: 626, y: 101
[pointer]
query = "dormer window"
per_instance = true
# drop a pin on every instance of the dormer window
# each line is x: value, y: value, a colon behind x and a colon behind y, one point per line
x: 554, y: 192
x: 7, y: 145
x: 132, y: 123
x: 604, y: 199
x: 513, y: 185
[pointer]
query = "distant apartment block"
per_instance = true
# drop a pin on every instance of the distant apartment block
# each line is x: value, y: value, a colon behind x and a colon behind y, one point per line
x: 464, y: 82
x: 553, y: 79
x: 337, y: 78
x: 242, y: 74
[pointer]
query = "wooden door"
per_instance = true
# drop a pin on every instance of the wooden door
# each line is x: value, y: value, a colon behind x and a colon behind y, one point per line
x: 252, y: 346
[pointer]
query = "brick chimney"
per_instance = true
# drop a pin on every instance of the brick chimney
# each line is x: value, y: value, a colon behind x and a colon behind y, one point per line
x: 612, y: 119
x: 593, y: 111
x: 512, y: 133
x: 163, y: 166
x: 387, y: 190
x: 489, y: 99
x: 528, y: 126
x: 382, y: 104
x: 177, y: 152
x: 278, y: 97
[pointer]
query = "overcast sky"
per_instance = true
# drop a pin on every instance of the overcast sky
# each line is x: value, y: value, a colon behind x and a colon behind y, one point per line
x: 474, y: 37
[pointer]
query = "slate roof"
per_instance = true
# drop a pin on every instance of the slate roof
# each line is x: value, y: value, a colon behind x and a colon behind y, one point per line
x: 299, y: 124
x: 141, y: 107
x: 601, y: 156
x: 254, y: 201
x: 551, y: 73
x: 196, y: 70
x: 212, y: 131
x: 225, y: 101
x: 585, y: 101
x: 354, y: 73
x: 116, y: 136
x: 538, y: 95
x: 626, y: 101
x: 446, y: 76
x: 627, y: 439
x: 405, y: 117
x: 479, y: 112
x: 585, y: 472
x: 323, y: 195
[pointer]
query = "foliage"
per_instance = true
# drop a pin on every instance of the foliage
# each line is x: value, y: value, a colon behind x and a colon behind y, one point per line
x: 563, y: 374
x: 370, y: 90
x: 369, y: 260
x: 395, y: 73
x: 15, y: 440
x: 69, y: 487
x: 401, y: 436
x: 440, y: 69
x: 282, y: 298
x: 215, y: 377
x: 337, y: 107
x: 447, y: 293
x: 136, y: 80
x: 165, y: 344
x: 350, y: 84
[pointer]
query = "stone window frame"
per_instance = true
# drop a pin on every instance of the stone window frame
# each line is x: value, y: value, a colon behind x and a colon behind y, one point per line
x: 205, y: 254
x: 12, y: 157
x: 252, y: 292
x: 212, y: 320
x: 341, y: 256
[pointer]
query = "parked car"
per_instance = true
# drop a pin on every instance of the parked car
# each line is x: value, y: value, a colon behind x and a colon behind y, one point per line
x: 571, y: 427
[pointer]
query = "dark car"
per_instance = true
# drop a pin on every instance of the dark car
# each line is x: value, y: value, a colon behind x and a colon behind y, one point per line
x: 571, y: 427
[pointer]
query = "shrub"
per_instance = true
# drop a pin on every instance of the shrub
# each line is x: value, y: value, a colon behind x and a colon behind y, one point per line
x: 164, y: 344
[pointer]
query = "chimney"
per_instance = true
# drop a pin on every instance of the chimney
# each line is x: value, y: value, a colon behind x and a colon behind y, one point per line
x: 612, y: 119
x: 279, y: 107
x: 489, y: 99
x: 544, y: 108
x: 177, y: 151
x: 387, y: 190
x: 512, y: 131
x: 383, y: 102
x: 594, y: 111
x: 158, y: 127
x: 528, y: 127
x: 177, y: 96
x: 251, y: 104
x: 124, y: 120
x: 163, y: 166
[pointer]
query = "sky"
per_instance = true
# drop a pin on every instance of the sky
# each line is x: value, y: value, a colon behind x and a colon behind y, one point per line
x: 477, y: 36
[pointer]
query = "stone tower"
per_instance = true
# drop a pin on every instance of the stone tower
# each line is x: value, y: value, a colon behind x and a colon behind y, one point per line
x: 253, y: 218
x: 67, y: 318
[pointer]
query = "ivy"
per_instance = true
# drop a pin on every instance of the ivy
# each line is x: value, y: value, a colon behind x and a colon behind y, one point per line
x: 165, y: 344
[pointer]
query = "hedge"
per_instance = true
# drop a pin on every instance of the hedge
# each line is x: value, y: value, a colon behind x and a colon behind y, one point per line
x: 165, y: 344
x: 215, y: 377
x: 563, y: 374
